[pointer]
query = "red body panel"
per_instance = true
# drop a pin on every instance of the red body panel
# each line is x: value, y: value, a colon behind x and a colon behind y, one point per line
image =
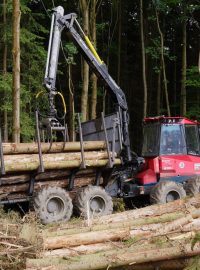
x: 179, y: 165
x: 168, y: 166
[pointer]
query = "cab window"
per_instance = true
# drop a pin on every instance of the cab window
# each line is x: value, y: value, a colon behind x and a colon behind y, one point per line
x: 172, y: 140
x: 192, y: 141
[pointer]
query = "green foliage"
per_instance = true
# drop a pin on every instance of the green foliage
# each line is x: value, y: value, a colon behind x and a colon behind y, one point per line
x: 194, y: 264
x: 71, y: 51
x: 118, y: 205
x: 6, y: 92
x: 193, y: 78
x: 27, y: 127
x: 195, y: 240
x: 193, y: 113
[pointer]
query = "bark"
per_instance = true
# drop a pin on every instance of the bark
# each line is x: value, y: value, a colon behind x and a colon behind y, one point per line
x: 133, y: 232
x: 54, y: 161
x: 85, y: 238
x: 5, y: 53
x: 117, y: 257
x: 93, y: 76
x: 163, y: 63
x: 158, y: 99
x: 48, y: 175
x: 31, y: 148
x: 184, y: 64
x: 16, y: 71
x: 57, y: 165
x: 63, y: 183
x: 90, y: 249
x: 71, y: 106
x: 164, y: 265
x: 79, y: 250
x: 84, y: 96
x: 147, y: 224
x: 119, y: 41
x: 143, y: 60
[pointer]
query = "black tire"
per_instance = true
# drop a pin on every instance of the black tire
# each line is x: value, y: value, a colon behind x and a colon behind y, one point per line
x: 99, y: 202
x: 192, y: 186
x: 52, y: 204
x: 166, y: 191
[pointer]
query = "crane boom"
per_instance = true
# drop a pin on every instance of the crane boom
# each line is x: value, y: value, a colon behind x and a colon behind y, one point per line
x: 81, y: 41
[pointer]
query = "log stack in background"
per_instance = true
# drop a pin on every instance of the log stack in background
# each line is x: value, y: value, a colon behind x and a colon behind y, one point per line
x: 163, y: 236
x: 22, y: 162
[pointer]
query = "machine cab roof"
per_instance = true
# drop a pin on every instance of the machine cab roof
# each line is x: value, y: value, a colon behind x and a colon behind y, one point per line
x: 165, y: 136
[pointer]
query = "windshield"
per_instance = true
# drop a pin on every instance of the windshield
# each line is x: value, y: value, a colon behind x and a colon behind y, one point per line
x: 172, y: 140
x: 151, y: 140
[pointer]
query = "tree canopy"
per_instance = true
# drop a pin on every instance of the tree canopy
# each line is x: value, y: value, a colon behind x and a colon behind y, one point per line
x: 166, y: 31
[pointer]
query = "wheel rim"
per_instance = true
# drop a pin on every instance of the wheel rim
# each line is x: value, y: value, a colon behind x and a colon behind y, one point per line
x: 172, y: 196
x: 97, y: 204
x: 55, y: 206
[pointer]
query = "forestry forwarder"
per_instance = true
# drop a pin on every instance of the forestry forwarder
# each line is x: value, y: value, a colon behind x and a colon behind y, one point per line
x: 171, y: 146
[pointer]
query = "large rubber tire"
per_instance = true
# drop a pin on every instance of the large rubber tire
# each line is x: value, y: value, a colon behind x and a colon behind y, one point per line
x: 92, y: 201
x: 192, y: 186
x: 52, y: 204
x: 166, y: 191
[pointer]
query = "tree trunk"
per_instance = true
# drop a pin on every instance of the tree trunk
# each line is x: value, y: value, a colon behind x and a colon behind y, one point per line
x: 184, y: 64
x: 119, y: 41
x: 16, y: 71
x: 84, y: 4
x: 71, y: 107
x: 5, y: 50
x: 143, y: 60
x: 93, y: 76
x: 163, y: 63
x: 158, y: 103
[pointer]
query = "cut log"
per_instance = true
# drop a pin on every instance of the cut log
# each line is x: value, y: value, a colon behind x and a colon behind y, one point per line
x: 135, y: 233
x: 80, y: 250
x: 141, y: 224
x: 47, y: 175
x: 179, y: 264
x: 119, y: 257
x: 79, y: 182
x: 14, y: 163
x: 31, y: 148
x: 85, y: 238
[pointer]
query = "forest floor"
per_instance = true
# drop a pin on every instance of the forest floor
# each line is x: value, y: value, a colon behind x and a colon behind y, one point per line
x: 20, y: 237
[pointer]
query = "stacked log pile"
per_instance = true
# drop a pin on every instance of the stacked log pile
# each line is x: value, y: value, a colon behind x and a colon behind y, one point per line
x: 22, y: 162
x: 163, y: 236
